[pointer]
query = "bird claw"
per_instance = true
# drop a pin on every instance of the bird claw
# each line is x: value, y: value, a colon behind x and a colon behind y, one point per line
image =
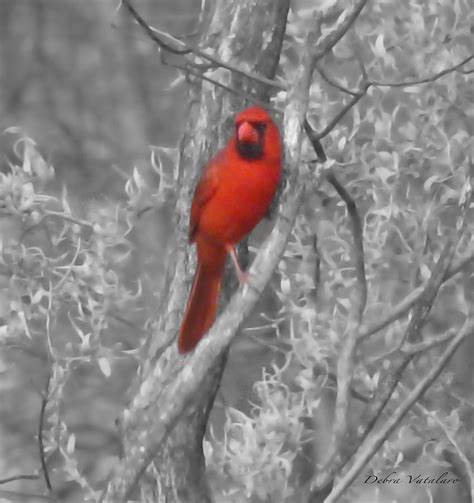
x: 244, y: 277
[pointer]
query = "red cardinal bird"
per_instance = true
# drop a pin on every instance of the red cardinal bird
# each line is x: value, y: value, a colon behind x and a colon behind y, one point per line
x: 234, y: 193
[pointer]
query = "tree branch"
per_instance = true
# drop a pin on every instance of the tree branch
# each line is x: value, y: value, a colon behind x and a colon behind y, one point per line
x: 430, y: 291
x: 44, y: 466
x: 182, y: 48
x: 367, y: 83
x: 151, y: 33
x: 415, y: 349
x: 357, y: 97
x: 424, y: 80
x: 345, y: 362
x: 345, y: 21
x: 360, y: 293
x: 14, y: 478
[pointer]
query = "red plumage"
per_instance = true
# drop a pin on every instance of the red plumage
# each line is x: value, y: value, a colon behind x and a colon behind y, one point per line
x: 233, y: 194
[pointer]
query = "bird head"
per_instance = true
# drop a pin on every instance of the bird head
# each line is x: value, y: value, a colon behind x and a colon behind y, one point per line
x: 255, y: 133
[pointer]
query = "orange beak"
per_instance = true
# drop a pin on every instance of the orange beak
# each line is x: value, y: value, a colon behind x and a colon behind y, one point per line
x: 246, y: 133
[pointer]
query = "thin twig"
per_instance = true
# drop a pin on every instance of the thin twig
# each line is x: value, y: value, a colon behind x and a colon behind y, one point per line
x: 424, y: 80
x: 14, y: 478
x: 360, y: 298
x: 358, y: 95
x: 345, y: 362
x: 414, y: 349
x: 231, y: 90
x: 317, y: 266
x: 186, y: 49
x: 44, y: 466
x: 61, y: 282
x: 69, y: 218
x: 151, y: 33
x: 332, y: 124
x: 430, y: 291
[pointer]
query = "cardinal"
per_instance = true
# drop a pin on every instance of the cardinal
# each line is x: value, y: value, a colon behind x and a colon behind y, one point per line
x: 233, y: 194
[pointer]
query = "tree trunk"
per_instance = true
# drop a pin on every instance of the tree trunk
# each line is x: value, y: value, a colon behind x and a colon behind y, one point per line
x: 247, y: 34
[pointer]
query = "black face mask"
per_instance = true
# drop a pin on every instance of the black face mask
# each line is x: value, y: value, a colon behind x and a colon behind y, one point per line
x: 250, y: 150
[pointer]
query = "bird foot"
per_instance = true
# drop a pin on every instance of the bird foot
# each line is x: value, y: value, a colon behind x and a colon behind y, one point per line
x: 243, y: 277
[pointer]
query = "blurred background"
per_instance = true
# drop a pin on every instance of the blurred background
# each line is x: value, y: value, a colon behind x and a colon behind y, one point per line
x: 86, y: 84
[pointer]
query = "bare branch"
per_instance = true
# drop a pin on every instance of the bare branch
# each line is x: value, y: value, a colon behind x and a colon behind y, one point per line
x: 345, y: 362
x: 317, y: 269
x: 360, y: 293
x: 366, y: 84
x: 69, y: 218
x: 314, y: 140
x: 151, y: 33
x: 345, y: 21
x: 181, y: 48
x: 229, y: 89
x: 424, y: 80
x: 430, y: 291
x: 44, y: 466
x: 374, y: 443
x: 357, y: 97
x: 414, y: 349
x: 14, y: 478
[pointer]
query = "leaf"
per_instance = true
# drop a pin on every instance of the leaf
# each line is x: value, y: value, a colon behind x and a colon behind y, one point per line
x: 427, y: 185
x: 104, y: 365
x: 379, y: 48
x: 71, y: 444
x: 285, y: 286
x: 425, y: 272
x: 384, y: 174
x: 34, y: 163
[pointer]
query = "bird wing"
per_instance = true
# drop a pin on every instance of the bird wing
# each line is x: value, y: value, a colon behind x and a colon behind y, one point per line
x: 203, y: 193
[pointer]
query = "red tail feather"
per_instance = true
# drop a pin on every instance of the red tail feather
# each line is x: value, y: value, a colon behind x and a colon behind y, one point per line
x: 202, y: 306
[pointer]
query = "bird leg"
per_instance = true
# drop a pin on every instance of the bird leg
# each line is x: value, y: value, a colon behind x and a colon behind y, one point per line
x: 243, y: 276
